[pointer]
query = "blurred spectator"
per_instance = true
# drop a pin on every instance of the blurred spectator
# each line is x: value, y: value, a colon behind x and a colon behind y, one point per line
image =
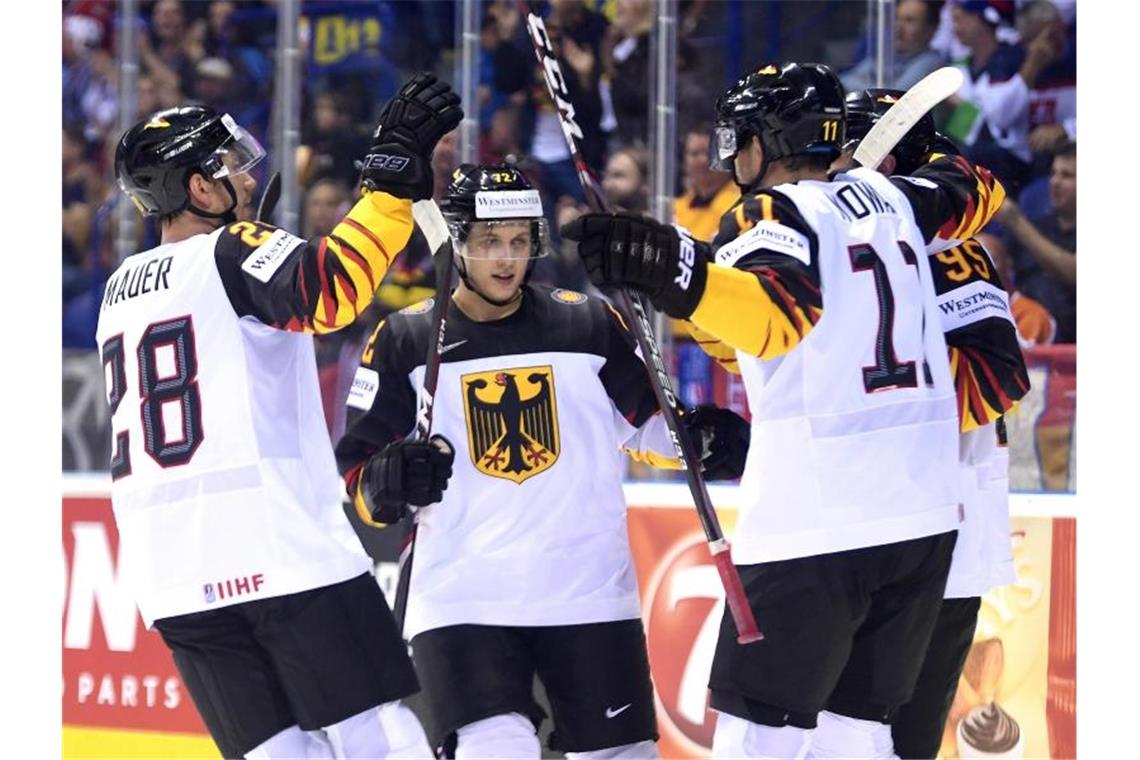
x: 1035, y: 325
x: 915, y: 24
x: 90, y: 87
x: 170, y: 48
x: 1043, y: 251
x: 77, y: 211
x: 629, y: 68
x: 708, y: 193
x: 331, y: 143
x: 214, y: 83
x: 444, y: 161
x: 578, y: 34
x: 1053, y: 98
x: 626, y: 180
x: 505, y: 60
x: 991, y: 116
x: 500, y: 142
x: 326, y: 203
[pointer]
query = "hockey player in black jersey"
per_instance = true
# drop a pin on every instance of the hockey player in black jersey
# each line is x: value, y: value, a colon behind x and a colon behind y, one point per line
x: 989, y: 379
x: 224, y: 484
x: 849, y: 496
x: 523, y: 566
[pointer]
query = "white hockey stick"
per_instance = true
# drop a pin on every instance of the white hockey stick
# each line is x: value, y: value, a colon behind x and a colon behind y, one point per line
x: 892, y: 126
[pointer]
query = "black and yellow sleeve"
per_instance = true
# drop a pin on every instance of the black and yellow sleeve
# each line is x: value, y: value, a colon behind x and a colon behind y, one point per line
x: 988, y: 368
x: 769, y: 298
x: 952, y: 198
x: 384, y: 412
x: 316, y: 286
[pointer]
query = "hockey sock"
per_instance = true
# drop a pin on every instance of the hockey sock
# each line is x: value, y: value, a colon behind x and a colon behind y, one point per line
x: 841, y: 736
x: 509, y: 737
x: 390, y: 730
x: 292, y: 743
x: 736, y: 737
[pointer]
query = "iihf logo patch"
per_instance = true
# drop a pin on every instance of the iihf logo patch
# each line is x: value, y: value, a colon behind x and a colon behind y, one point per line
x: 208, y: 593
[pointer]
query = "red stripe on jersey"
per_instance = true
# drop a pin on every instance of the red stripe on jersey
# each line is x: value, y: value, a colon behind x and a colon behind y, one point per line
x: 357, y: 259
x: 352, y: 476
x: 368, y: 234
x: 326, y: 290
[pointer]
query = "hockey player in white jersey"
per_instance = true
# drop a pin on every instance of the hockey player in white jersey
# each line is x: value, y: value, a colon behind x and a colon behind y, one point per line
x: 849, y: 500
x: 524, y: 565
x: 989, y: 379
x: 224, y: 484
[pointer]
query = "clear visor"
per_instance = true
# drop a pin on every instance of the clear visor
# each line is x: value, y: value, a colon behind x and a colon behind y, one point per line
x: 236, y: 155
x: 503, y: 239
x: 722, y: 147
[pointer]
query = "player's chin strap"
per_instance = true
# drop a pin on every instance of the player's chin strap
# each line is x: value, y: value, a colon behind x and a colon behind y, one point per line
x: 228, y: 216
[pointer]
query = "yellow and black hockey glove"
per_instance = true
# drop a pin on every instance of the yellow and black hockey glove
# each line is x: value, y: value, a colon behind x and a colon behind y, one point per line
x: 406, y: 475
x: 721, y: 437
x: 623, y: 250
x: 399, y: 161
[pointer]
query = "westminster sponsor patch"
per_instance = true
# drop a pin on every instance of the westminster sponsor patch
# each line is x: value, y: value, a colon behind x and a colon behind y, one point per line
x: 972, y: 303
x: 512, y: 421
x: 268, y: 257
x: 365, y: 384
x: 768, y: 236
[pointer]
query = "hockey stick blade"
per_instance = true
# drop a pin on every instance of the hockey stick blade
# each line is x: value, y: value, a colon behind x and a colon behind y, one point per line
x: 899, y: 118
x: 269, y: 198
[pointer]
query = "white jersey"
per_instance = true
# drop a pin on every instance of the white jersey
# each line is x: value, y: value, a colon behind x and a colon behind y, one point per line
x: 225, y: 487
x: 855, y: 431
x: 532, y: 527
x: 976, y: 320
x: 983, y: 555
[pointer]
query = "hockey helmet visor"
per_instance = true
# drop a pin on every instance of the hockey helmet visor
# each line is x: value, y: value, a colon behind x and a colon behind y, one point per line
x: 237, y: 154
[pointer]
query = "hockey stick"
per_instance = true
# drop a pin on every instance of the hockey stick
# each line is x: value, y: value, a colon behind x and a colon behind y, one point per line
x: 269, y: 198
x: 892, y: 126
x: 631, y: 304
x: 432, y: 224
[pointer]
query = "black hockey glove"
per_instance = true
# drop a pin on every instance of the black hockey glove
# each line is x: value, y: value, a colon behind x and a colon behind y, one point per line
x: 406, y: 475
x: 399, y: 161
x: 721, y: 438
x: 637, y: 252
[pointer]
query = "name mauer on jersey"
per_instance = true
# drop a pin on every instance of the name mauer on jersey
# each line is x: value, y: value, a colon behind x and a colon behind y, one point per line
x: 512, y: 421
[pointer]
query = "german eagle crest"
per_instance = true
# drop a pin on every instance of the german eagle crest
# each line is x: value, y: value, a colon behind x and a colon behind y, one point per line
x: 512, y: 421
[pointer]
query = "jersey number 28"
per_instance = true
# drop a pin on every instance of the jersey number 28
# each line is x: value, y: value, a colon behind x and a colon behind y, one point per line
x: 155, y: 391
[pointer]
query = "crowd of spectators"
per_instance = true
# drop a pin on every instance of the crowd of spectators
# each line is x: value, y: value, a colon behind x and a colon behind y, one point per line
x: 1016, y: 113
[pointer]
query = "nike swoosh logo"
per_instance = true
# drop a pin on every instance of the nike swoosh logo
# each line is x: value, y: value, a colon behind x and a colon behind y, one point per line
x: 612, y: 713
x: 450, y: 346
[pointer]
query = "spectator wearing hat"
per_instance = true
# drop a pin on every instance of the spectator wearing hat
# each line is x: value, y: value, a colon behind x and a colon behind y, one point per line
x: 991, y: 117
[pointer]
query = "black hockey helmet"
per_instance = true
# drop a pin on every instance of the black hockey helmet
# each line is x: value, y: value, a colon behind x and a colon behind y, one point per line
x: 794, y: 108
x: 865, y: 107
x: 492, y: 193
x: 156, y: 158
